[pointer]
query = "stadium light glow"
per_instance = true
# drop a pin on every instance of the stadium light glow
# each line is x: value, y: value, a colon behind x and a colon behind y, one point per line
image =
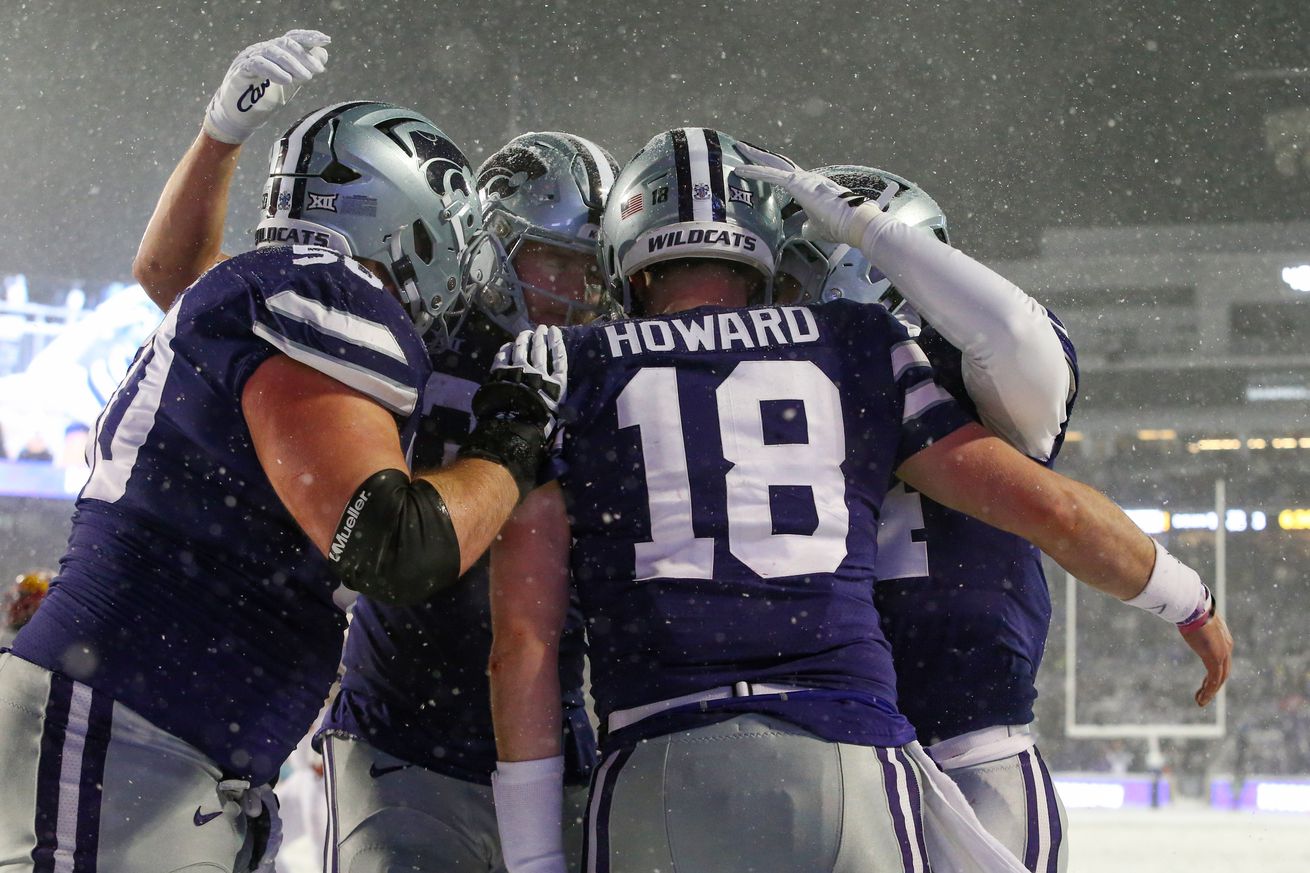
x: 1195, y: 521
x: 1091, y: 795
x: 1151, y: 521
x: 1277, y: 392
x: 1159, y: 521
x: 1282, y: 797
x: 1297, y: 278
x: 1161, y: 434
x: 1294, y: 519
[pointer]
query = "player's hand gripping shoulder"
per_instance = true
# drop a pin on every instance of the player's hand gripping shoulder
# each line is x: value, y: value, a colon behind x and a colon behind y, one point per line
x: 831, y: 211
x: 517, y: 407
x: 261, y: 80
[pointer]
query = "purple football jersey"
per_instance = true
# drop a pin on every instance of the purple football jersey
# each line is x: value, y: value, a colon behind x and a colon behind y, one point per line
x: 188, y: 592
x: 724, y: 471
x: 965, y: 605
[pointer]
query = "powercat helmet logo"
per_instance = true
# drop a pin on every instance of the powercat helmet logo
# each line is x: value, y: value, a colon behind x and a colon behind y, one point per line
x: 513, y: 168
x: 442, y: 163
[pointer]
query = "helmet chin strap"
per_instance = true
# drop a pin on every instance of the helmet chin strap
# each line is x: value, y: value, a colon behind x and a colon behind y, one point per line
x: 402, y: 271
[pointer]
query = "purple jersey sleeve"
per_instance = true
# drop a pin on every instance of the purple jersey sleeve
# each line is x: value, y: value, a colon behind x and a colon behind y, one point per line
x: 331, y: 314
x: 928, y: 412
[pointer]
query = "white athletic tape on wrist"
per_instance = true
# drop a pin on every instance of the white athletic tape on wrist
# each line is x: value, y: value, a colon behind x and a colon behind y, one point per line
x: 529, y: 797
x: 1174, y: 591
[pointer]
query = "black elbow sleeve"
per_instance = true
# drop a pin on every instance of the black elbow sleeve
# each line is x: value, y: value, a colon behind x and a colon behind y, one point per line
x: 395, y: 541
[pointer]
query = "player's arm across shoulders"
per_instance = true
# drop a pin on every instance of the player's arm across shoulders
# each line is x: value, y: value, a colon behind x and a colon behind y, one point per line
x: 975, y: 472
x: 334, y: 457
x: 1020, y: 376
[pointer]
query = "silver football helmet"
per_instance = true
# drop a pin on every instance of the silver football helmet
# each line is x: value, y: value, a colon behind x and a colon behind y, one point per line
x: 546, y: 189
x: 826, y: 270
x: 376, y: 181
x: 679, y: 198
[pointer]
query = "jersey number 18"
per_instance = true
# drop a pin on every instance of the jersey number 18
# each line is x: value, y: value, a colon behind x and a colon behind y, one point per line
x: 650, y: 401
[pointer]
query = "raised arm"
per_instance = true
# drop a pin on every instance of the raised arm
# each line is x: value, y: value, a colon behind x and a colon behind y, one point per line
x: 185, y: 234
x: 976, y: 473
x: 529, y: 602
x: 1014, y: 365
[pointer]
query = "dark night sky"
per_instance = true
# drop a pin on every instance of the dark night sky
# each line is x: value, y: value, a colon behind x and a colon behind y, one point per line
x: 1016, y: 116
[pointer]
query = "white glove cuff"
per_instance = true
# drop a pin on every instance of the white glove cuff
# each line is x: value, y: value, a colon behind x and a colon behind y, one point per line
x: 213, y: 131
x: 529, y: 798
x: 1174, y: 591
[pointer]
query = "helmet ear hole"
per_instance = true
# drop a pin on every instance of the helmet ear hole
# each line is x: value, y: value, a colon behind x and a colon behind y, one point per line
x: 423, y: 246
x: 337, y: 173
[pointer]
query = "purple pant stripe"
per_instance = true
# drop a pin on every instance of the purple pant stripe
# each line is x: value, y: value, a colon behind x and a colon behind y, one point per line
x: 602, y: 795
x: 916, y: 804
x: 331, y: 857
x: 48, y: 768
x: 894, y: 804
x: 1053, y: 811
x: 99, y: 727
x: 1033, y: 842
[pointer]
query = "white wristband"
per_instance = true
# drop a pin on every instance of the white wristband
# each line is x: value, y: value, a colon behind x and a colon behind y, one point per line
x: 1174, y: 591
x: 529, y: 799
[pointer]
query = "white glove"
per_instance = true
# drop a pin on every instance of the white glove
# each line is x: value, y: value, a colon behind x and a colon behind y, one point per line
x: 517, y: 408
x: 832, y: 212
x: 261, y: 80
x: 536, y: 359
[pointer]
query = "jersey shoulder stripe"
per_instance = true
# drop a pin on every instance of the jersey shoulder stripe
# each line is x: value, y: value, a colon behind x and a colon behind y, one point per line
x: 345, y: 326
x: 395, y: 396
x: 331, y: 314
x: 921, y: 398
x: 905, y: 356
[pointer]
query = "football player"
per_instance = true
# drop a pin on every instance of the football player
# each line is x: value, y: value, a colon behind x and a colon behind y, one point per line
x: 409, y: 747
x: 408, y: 742
x: 720, y: 479
x: 964, y: 605
x: 253, y: 458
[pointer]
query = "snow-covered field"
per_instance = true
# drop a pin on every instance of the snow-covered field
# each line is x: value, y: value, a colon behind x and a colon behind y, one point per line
x: 1189, y: 841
